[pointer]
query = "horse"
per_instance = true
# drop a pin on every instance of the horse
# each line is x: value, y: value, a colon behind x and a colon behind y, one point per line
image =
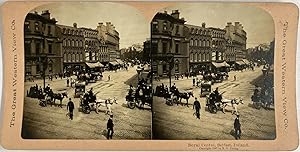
x: 107, y: 103
x: 184, y: 95
x: 58, y: 96
x: 232, y: 103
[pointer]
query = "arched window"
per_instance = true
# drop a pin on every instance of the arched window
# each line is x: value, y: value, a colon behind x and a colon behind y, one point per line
x: 64, y: 42
x: 192, y: 41
x: 195, y: 57
x: 191, y: 57
x: 68, y: 42
x: 73, y: 57
x: 199, y: 57
x: 196, y: 44
x: 65, y: 57
x: 70, y: 57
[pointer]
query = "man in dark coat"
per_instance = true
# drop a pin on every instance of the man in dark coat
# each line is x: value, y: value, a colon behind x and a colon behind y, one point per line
x: 110, y: 127
x: 70, y: 107
x: 237, y: 127
x: 197, y: 107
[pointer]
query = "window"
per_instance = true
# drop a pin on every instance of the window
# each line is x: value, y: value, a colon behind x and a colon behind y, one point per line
x: 207, y: 57
x: 49, y: 30
x: 70, y: 57
x: 37, y: 48
x: 36, y: 26
x: 50, y: 67
x: 28, y: 69
x: 73, y: 57
x: 65, y: 57
x: 164, y: 47
x: 26, y: 26
x: 165, y: 69
x: 177, y: 48
x: 176, y: 68
x: 177, y: 29
x: 90, y: 56
x: 191, y: 57
x: 72, y: 43
x: 154, y: 47
x: 77, y: 57
x: 50, y: 48
x: 202, y: 57
x: 27, y: 47
x: 38, y: 69
x: 165, y: 26
x: 199, y: 57
x: 196, y: 43
x: 191, y: 42
x: 195, y: 57
x: 68, y: 43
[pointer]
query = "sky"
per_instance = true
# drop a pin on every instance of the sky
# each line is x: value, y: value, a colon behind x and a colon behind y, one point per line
x: 129, y: 22
x: 257, y: 23
x: 134, y: 28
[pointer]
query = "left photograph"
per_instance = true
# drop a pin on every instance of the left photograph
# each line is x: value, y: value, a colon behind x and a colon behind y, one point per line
x: 86, y: 72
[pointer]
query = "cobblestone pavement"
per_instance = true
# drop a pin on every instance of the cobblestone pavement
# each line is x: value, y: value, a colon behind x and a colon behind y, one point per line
x: 52, y: 122
x: 178, y: 122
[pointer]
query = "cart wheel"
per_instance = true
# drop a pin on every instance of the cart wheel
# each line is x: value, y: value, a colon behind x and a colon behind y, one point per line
x: 257, y: 105
x: 86, y: 110
x: 131, y: 104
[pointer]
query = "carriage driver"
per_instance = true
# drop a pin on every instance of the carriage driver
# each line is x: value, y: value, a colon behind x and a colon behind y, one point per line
x: 218, y: 96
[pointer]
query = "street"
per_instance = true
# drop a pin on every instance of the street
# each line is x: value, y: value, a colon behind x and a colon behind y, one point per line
x: 178, y: 122
x: 53, y: 123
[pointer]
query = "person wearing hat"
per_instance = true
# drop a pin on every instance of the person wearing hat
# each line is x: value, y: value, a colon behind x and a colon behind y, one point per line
x: 110, y: 127
x: 70, y: 107
x: 237, y: 127
x: 197, y: 107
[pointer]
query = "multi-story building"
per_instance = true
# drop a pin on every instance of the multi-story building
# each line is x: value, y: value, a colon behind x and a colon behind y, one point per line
x: 43, y: 48
x: 169, y: 44
x: 95, y: 48
x: 111, y: 37
x: 218, y: 44
x: 238, y: 38
x: 199, y: 47
x: 72, y: 47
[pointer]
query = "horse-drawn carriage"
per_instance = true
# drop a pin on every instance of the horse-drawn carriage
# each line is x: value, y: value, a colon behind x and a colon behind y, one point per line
x: 142, y: 96
x: 205, y: 88
x: 88, y: 103
x: 79, y: 89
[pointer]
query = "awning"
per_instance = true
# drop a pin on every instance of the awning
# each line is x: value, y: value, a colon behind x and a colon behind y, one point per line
x: 219, y: 65
x: 119, y: 61
x: 246, y: 61
x: 114, y: 63
x: 240, y: 63
x: 94, y: 65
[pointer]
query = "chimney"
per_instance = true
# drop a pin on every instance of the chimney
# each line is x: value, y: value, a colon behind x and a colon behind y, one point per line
x: 46, y: 14
x: 166, y: 12
x: 203, y: 24
x: 100, y: 24
x: 75, y: 25
x: 229, y: 23
x: 175, y: 14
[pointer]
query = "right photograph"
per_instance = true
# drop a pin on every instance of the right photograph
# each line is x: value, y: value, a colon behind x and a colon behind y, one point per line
x: 212, y: 72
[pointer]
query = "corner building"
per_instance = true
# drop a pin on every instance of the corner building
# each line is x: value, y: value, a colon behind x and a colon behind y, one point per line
x: 169, y: 45
x: 41, y: 43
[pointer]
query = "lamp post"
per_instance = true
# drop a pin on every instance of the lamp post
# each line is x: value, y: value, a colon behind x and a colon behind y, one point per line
x: 44, y: 60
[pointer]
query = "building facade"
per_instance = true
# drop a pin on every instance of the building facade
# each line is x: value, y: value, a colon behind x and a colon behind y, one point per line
x: 111, y: 37
x: 95, y: 49
x: 218, y: 44
x: 72, y: 47
x: 169, y: 45
x: 43, y: 48
x: 238, y: 38
x: 200, y: 39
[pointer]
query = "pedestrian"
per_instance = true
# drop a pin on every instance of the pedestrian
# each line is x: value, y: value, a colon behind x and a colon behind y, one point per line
x: 194, y: 81
x: 70, y: 108
x: 71, y: 82
x: 110, y: 127
x: 197, y: 107
x: 68, y: 81
x: 237, y: 127
x: 234, y: 78
x: 108, y: 77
